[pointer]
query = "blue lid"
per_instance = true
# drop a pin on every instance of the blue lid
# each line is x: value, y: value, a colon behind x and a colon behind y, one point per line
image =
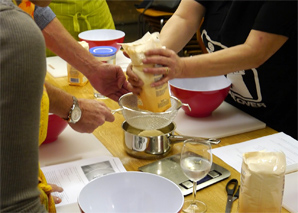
x: 103, y: 51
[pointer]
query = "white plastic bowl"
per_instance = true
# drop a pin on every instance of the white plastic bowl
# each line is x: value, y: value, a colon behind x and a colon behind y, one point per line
x: 103, y: 37
x: 131, y: 192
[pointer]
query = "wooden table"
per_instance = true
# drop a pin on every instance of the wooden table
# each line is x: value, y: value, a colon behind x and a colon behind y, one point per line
x: 112, y: 137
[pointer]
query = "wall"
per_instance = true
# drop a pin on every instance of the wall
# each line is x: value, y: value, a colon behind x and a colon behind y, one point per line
x: 125, y: 17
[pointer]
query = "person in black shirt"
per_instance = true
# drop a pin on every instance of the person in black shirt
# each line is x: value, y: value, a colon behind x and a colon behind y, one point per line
x: 253, y: 43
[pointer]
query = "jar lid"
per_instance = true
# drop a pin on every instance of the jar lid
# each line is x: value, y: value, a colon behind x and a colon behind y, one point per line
x: 103, y: 51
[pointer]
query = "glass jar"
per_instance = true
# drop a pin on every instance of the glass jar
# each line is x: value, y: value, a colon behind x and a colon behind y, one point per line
x: 75, y: 77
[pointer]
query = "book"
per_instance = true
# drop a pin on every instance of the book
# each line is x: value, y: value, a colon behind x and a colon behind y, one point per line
x: 73, y: 176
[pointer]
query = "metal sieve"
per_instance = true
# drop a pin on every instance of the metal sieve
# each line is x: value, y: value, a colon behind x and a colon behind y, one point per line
x: 147, y: 120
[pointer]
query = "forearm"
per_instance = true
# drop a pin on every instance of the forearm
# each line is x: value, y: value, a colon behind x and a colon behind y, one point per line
x: 60, y: 101
x: 175, y: 37
x: 181, y: 27
x: 257, y: 49
x: 63, y: 44
x: 218, y: 63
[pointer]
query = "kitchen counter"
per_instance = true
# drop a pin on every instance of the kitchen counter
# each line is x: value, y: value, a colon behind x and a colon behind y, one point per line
x: 111, y: 136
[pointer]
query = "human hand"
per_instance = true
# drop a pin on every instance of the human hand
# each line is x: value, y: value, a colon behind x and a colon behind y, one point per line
x: 171, y: 64
x: 135, y: 83
x: 125, y: 54
x: 56, y: 188
x: 94, y: 114
x: 109, y: 80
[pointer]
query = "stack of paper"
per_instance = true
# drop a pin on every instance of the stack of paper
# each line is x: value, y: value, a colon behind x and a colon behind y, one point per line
x: 232, y: 155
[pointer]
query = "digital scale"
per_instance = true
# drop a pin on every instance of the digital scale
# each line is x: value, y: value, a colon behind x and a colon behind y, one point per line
x: 170, y: 168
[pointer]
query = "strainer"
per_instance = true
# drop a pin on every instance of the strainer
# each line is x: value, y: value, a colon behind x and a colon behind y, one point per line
x: 147, y: 120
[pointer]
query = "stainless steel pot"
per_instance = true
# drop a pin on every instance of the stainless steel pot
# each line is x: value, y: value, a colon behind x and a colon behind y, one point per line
x: 153, y: 147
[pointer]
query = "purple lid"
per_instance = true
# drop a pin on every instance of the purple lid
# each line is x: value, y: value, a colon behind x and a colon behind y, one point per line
x: 103, y: 51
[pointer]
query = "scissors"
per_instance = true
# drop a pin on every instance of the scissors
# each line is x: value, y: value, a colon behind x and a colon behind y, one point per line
x: 233, y: 193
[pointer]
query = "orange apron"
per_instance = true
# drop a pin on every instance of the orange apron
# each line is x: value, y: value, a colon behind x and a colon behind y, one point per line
x: 26, y: 6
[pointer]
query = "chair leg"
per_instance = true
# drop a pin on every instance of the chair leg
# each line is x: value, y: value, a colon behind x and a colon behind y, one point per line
x: 161, y: 23
x: 200, y: 42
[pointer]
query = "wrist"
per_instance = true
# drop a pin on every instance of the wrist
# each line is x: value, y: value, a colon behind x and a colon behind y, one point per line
x: 75, y: 112
x: 90, y: 66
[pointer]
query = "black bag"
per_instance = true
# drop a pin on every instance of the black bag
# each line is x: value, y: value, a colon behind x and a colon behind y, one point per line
x: 162, y: 5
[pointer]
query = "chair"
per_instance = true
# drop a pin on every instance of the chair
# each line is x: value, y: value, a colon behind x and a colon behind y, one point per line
x: 153, y: 20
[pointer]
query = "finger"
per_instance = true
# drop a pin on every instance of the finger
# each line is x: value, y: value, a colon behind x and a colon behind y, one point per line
x: 105, y: 114
x: 134, y: 90
x: 125, y: 54
x: 124, y: 88
x: 132, y: 75
x: 160, y: 82
x: 110, y: 117
x: 56, y: 188
x: 167, y: 70
x: 57, y: 199
x: 160, y: 51
x: 135, y: 83
x: 157, y: 70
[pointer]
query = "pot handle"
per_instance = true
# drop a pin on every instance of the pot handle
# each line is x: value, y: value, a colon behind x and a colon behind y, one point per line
x: 187, y: 105
x: 116, y: 110
x: 180, y: 138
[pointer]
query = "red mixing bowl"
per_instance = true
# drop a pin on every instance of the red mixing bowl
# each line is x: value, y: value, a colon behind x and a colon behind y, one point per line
x: 103, y: 37
x: 56, y: 125
x: 203, y: 95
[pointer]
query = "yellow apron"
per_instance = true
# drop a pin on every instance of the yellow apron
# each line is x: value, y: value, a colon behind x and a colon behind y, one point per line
x: 45, y: 189
x: 81, y: 15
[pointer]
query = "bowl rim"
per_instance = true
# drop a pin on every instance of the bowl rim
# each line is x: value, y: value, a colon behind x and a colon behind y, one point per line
x: 145, y: 112
x: 121, y: 35
x: 138, y: 173
x: 228, y: 84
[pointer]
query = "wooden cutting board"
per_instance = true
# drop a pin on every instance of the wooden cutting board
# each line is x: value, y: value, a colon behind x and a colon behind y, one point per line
x: 225, y: 121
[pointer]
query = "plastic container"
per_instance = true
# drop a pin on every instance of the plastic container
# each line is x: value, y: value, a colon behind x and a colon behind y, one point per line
x: 75, y: 77
x: 105, y: 54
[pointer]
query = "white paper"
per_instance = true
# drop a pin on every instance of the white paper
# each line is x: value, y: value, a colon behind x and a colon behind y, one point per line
x: 291, y: 192
x: 73, y: 176
x: 232, y: 155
